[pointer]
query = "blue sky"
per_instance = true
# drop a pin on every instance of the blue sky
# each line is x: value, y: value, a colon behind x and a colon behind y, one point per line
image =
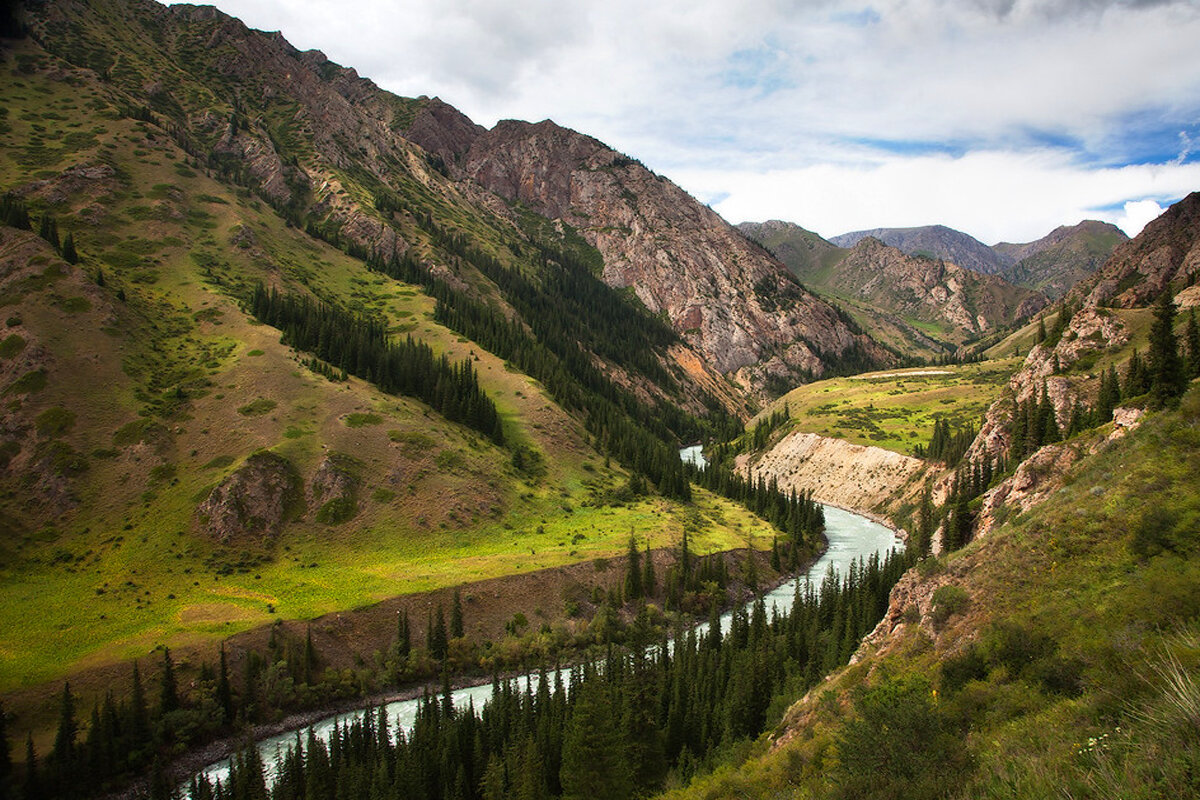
x: 1002, y: 118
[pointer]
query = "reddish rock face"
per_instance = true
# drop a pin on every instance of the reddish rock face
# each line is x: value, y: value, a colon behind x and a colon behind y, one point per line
x: 1139, y: 270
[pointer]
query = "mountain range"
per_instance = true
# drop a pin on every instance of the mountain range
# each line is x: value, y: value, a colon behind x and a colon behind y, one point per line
x: 291, y: 365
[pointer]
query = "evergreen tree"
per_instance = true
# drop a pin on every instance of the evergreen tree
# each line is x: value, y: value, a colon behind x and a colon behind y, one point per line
x: 436, y: 639
x: 403, y: 635
x: 168, y: 698
x: 71, y: 256
x: 1192, y: 340
x: 649, y: 579
x: 1168, y: 378
x: 595, y: 756
x: 224, y: 694
x: 32, y: 788
x: 633, y: 571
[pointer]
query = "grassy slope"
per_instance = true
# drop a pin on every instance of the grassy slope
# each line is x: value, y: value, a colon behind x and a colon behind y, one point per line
x: 895, y: 409
x: 123, y: 569
x: 1066, y: 570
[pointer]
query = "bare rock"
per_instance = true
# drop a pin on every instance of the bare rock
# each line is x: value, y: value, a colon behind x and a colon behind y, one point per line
x: 256, y: 500
x: 334, y: 488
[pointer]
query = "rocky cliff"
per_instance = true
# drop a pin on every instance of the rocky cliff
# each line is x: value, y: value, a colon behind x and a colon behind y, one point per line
x: 1167, y: 250
x: 935, y: 241
x: 963, y: 303
x: 729, y: 299
x: 860, y: 478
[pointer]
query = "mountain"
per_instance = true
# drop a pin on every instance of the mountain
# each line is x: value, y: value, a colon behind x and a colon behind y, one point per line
x: 1067, y: 255
x: 934, y: 241
x: 678, y: 257
x: 918, y: 305
x: 264, y: 356
x: 1065, y: 611
x: 803, y: 251
x: 1166, y: 253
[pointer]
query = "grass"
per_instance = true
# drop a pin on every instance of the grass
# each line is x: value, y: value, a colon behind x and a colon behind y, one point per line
x: 1084, y: 620
x: 895, y: 409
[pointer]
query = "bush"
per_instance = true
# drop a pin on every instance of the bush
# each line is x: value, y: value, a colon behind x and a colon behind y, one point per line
x: 948, y: 601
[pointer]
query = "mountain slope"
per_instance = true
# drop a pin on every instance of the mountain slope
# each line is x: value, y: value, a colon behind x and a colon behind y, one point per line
x: 920, y: 306
x: 678, y: 257
x: 172, y: 470
x: 935, y: 241
x: 1166, y: 252
x: 1067, y: 255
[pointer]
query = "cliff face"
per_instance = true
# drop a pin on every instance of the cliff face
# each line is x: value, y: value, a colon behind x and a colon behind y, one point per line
x: 730, y: 300
x: 1167, y: 249
x: 936, y: 241
x: 863, y: 479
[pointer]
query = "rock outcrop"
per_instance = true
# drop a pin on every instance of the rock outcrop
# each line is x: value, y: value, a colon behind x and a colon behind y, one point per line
x: 254, y: 501
x: 1167, y: 250
x: 837, y: 472
x: 733, y: 302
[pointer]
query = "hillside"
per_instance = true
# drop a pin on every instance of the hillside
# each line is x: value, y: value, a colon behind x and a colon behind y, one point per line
x: 1164, y: 253
x: 228, y: 294
x: 1064, y: 257
x: 933, y: 241
x: 919, y: 306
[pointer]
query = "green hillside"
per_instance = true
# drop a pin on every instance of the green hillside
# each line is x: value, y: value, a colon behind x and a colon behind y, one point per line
x: 1055, y: 655
x: 135, y: 382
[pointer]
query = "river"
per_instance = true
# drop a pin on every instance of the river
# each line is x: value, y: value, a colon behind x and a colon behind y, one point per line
x: 851, y: 537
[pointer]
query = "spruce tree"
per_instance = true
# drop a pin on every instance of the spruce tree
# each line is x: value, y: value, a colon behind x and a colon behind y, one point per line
x: 649, y: 579
x: 224, y: 692
x: 633, y: 572
x: 1167, y: 377
x: 168, y: 698
x: 71, y: 256
x: 1192, y: 340
x: 595, y: 756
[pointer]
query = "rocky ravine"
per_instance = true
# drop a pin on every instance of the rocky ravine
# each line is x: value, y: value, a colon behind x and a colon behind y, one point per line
x: 857, y: 477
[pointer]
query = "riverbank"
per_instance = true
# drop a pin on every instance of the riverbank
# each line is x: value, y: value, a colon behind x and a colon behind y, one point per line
x: 488, y: 606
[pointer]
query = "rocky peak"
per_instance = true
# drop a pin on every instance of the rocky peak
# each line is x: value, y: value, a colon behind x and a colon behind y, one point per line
x: 728, y: 297
x: 1139, y: 270
x: 443, y: 130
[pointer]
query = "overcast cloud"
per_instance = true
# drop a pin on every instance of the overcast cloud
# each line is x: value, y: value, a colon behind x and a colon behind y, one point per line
x: 1002, y: 118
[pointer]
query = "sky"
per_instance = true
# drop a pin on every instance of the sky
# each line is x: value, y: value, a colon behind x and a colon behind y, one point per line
x: 1000, y: 118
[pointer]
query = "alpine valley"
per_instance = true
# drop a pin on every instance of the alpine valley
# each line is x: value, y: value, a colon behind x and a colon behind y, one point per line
x: 313, y: 396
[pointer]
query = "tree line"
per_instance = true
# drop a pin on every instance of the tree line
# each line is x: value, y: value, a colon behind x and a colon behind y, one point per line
x: 616, y: 728
x: 360, y: 346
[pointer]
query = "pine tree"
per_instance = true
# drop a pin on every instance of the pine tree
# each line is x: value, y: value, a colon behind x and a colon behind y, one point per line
x: 224, y: 692
x: 1192, y: 340
x: 71, y: 256
x: 436, y: 638
x: 649, y: 579
x: 633, y: 572
x: 168, y: 698
x: 1167, y: 377
x: 595, y: 759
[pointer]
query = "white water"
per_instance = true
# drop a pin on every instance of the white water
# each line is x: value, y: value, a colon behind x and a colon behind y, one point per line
x: 850, y: 536
x: 693, y: 455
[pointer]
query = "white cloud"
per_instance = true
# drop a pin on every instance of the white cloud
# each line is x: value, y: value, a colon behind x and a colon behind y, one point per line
x: 994, y: 196
x: 1137, y: 214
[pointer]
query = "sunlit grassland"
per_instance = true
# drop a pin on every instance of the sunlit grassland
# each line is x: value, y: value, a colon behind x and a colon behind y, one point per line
x: 895, y: 409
